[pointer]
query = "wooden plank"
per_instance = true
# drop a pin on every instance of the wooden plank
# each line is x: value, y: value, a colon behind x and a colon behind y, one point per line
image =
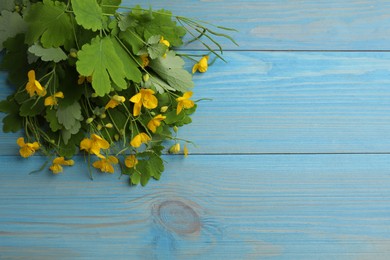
x: 278, y: 102
x: 292, y: 25
x: 214, y: 207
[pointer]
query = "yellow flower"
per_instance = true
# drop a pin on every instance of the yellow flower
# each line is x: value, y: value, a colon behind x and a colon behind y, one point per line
x: 175, y: 148
x: 155, y: 122
x: 33, y: 86
x: 82, y: 79
x: 56, y: 167
x: 139, y: 139
x: 94, y: 145
x: 115, y: 101
x: 105, y: 164
x: 185, y: 151
x: 184, y: 102
x: 27, y: 149
x: 131, y: 161
x: 52, y: 100
x: 165, y: 42
x: 145, y: 60
x: 202, y: 65
x: 144, y: 97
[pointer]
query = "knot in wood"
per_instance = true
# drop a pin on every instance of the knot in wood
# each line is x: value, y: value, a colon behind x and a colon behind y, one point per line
x: 177, y: 216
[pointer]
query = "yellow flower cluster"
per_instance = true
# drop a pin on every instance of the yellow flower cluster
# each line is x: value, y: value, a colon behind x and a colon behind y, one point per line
x: 145, y: 98
x: 33, y: 87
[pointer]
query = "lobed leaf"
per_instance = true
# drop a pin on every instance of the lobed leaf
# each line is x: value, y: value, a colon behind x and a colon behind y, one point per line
x: 88, y: 14
x: 68, y: 116
x: 100, y: 59
x: 171, y: 70
x: 11, y: 24
x: 49, y: 22
x: 48, y: 54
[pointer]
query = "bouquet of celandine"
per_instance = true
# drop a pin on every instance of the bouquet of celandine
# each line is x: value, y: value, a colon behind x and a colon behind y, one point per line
x: 96, y: 77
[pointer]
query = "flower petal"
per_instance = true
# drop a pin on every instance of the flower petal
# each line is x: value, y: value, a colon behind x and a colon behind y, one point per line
x: 20, y: 142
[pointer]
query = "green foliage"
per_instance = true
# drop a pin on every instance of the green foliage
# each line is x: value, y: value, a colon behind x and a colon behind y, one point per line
x: 8, y: 5
x: 69, y: 116
x: 31, y: 107
x: 48, y: 54
x: 89, y: 69
x: 88, y: 14
x: 11, y: 24
x: 12, y: 122
x: 50, y: 23
x: 157, y: 23
x: 129, y: 64
x: 15, y: 59
x: 51, y: 118
x: 101, y: 60
x: 171, y: 70
x: 107, y: 8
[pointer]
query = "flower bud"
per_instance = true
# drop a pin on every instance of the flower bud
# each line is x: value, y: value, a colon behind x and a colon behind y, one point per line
x: 94, y: 95
x: 116, y: 137
x: 146, y: 77
x: 102, y: 116
x: 109, y: 125
x: 73, y: 53
x: 89, y: 120
x: 122, y: 132
x: 176, y: 129
x: 163, y: 109
x: 99, y: 127
x: 175, y: 148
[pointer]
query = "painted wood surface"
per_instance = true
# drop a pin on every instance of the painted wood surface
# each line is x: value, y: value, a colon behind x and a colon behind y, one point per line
x: 292, y: 159
x: 205, y: 207
x: 277, y: 102
x: 293, y: 25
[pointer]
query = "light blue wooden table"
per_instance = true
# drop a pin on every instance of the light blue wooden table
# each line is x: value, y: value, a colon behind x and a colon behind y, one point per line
x: 293, y: 157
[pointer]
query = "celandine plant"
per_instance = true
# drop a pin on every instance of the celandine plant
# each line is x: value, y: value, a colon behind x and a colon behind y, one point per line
x: 100, y: 78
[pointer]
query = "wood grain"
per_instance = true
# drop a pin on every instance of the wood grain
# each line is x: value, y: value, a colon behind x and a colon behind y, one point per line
x: 292, y: 25
x: 205, y: 207
x: 277, y: 102
x: 292, y: 161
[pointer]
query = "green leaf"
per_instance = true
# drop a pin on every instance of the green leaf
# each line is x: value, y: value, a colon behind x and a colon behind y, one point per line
x: 68, y: 85
x: 12, y: 123
x: 51, y: 118
x: 67, y: 133
x: 11, y: 24
x: 31, y: 107
x: 160, y: 85
x: 135, y: 178
x: 101, y: 60
x: 8, y: 5
x: 88, y: 14
x: 132, y: 71
x: 69, y: 150
x: 171, y: 70
x: 109, y: 9
x: 7, y: 106
x: 68, y: 116
x: 157, y: 50
x: 49, y: 22
x: 48, y: 54
x: 145, y: 177
x: 15, y: 60
x: 132, y: 39
x: 155, y: 166
x: 126, y: 21
x: 158, y: 23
